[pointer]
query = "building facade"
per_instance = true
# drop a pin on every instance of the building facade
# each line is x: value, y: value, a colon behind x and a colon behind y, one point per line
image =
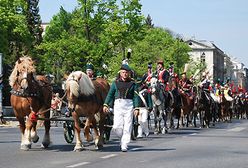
x: 211, y: 55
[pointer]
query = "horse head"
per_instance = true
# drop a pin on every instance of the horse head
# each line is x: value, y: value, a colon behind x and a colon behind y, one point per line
x: 23, y: 73
x: 78, y: 84
x: 154, y: 84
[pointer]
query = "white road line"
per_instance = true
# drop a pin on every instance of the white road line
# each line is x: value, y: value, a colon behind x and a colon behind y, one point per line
x: 193, y: 134
x: 79, y: 164
x: 109, y: 156
x: 237, y: 129
x: 135, y: 149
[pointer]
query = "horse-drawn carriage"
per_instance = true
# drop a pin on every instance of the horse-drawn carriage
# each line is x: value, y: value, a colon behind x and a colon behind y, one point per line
x: 31, y: 96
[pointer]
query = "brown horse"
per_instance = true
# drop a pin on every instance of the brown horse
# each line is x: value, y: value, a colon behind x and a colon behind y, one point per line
x: 187, y: 107
x: 31, y: 95
x: 85, y: 99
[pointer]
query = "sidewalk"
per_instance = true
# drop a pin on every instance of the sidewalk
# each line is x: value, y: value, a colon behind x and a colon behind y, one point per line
x: 10, y: 124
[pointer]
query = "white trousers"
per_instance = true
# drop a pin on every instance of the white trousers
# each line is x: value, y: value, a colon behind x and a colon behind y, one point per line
x: 143, y: 122
x: 123, y: 119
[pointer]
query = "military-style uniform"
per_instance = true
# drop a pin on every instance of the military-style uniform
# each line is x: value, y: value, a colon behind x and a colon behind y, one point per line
x: 123, y: 99
x: 145, y: 105
x: 90, y: 68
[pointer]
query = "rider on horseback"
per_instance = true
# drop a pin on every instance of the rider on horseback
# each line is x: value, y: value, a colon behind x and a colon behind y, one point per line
x: 205, y: 84
x: 162, y: 74
x: 90, y: 71
x: 186, y: 85
x: 148, y: 75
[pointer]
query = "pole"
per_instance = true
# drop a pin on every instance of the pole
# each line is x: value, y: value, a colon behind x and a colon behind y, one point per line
x: 1, y: 78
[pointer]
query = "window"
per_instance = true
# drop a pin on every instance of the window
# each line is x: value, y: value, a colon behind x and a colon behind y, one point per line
x: 203, y: 57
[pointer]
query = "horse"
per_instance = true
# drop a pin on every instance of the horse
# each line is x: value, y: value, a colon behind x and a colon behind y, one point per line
x: 173, y: 103
x: 238, y: 106
x: 226, y: 106
x: 30, y: 96
x: 204, y: 107
x: 187, y: 106
x: 158, y: 99
x: 85, y: 99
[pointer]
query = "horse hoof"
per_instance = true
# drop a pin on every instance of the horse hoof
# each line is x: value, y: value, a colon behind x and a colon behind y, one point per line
x: 36, y: 139
x: 99, y: 146
x: 45, y: 145
x: 25, y: 147
x: 78, y: 149
x: 164, y: 131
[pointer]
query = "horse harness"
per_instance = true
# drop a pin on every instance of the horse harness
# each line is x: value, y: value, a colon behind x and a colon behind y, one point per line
x: 29, y: 94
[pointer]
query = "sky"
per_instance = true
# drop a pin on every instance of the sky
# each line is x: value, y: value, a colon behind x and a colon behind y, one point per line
x: 223, y: 22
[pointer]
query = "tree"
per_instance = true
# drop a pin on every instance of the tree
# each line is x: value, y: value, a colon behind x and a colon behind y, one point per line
x: 95, y: 32
x: 34, y: 21
x: 158, y: 44
x: 15, y: 39
x: 14, y: 36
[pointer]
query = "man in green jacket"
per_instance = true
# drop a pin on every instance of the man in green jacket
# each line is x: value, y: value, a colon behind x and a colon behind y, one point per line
x: 124, y: 101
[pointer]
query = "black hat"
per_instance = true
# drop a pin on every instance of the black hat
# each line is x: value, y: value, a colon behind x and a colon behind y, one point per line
x: 89, y: 66
x: 125, y: 67
x: 149, y: 65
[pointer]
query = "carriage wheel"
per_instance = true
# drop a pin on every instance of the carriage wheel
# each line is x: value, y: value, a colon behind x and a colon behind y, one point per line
x: 68, y: 131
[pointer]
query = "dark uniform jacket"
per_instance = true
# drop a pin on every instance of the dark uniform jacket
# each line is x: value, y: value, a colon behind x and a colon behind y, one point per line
x: 122, y: 90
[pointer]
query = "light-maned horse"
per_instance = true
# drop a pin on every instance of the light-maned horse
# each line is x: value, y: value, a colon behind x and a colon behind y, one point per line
x: 226, y: 107
x: 85, y: 99
x: 158, y: 100
x: 31, y: 94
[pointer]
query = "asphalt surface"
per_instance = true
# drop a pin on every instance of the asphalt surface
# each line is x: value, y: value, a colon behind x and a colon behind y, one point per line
x: 225, y: 145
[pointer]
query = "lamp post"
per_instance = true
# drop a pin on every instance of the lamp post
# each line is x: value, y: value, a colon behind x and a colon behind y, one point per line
x: 1, y: 87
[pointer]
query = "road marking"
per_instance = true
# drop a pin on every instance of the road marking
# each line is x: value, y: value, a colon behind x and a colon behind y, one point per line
x: 79, y: 164
x: 193, y: 134
x: 3, y: 131
x: 109, y: 156
x: 135, y: 149
x: 237, y: 129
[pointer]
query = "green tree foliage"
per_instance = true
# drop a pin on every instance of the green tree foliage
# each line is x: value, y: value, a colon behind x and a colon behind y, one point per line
x: 34, y: 21
x: 97, y: 31
x: 14, y: 35
x: 159, y: 44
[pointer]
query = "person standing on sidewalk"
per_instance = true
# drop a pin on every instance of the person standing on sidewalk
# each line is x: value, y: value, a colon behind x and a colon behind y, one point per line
x: 124, y: 101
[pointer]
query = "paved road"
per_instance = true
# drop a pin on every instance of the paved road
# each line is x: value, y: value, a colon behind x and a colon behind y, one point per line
x: 226, y: 145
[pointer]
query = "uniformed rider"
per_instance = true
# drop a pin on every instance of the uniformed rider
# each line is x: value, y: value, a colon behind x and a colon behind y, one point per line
x: 90, y: 71
x: 162, y: 74
x: 145, y: 106
x: 186, y: 85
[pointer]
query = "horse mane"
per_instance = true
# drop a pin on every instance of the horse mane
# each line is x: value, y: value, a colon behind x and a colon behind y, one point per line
x: 14, y: 73
x: 80, y: 84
